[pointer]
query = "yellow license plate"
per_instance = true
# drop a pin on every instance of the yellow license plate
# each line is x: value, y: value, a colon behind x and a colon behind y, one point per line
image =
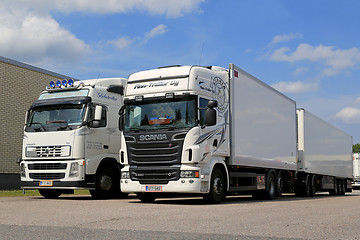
x: 46, y: 183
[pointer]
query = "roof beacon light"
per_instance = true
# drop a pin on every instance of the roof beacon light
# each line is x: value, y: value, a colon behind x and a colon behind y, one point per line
x: 71, y: 82
x: 58, y: 83
x: 64, y: 82
x: 52, y: 84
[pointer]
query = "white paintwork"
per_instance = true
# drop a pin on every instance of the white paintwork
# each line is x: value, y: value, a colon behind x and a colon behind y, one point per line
x: 323, y: 148
x: 262, y: 123
x: 86, y: 144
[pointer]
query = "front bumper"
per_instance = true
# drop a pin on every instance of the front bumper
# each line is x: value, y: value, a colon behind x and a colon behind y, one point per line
x: 59, y: 185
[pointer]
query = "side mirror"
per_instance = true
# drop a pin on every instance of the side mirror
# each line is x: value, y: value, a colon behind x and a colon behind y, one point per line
x: 121, y: 118
x: 210, y: 113
x: 211, y: 104
x: 210, y: 117
x: 97, y: 117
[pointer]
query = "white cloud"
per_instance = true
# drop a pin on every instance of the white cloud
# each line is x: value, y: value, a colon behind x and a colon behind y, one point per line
x: 126, y: 41
x: 349, y: 115
x: 121, y: 43
x: 35, y: 39
x: 169, y: 8
x: 284, y: 38
x: 295, y: 87
x: 158, y: 30
x: 335, y: 60
x: 300, y: 71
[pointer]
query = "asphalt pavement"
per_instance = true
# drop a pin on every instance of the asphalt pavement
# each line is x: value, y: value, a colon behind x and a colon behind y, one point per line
x: 239, y: 217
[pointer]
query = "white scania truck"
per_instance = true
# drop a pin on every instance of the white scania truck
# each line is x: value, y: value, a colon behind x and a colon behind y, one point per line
x: 214, y: 131
x: 72, y: 140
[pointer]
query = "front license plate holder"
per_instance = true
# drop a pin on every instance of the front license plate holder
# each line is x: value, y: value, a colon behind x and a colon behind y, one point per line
x: 153, y: 188
x: 46, y: 183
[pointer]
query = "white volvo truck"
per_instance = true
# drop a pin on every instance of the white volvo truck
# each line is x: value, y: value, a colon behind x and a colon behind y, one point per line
x: 214, y: 131
x: 72, y: 140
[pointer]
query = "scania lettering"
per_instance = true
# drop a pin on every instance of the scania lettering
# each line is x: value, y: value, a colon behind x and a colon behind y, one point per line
x: 227, y: 133
x: 72, y: 140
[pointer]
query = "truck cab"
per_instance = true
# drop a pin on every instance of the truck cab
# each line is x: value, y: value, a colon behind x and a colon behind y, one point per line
x: 71, y: 138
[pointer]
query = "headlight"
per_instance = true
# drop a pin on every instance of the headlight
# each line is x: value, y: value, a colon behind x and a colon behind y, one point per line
x: 31, y: 152
x: 189, y: 174
x: 74, y: 170
x: 125, y: 175
x: 22, y: 170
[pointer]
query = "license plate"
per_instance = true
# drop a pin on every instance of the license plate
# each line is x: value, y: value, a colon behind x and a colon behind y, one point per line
x: 46, y: 183
x: 153, y: 188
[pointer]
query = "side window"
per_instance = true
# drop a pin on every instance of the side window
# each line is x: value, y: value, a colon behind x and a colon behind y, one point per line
x: 103, y: 121
x: 202, y: 107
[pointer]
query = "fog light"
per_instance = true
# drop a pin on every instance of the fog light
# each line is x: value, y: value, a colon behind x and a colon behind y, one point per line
x: 125, y: 175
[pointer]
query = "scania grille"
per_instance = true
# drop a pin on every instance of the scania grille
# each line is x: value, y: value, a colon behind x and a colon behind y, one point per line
x: 155, y: 176
x: 47, y: 176
x: 47, y: 166
x: 158, y: 153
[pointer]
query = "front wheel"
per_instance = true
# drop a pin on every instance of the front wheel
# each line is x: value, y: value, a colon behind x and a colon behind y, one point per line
x: 107, y: 183
x: 146, y: 197
x: 217, y: 187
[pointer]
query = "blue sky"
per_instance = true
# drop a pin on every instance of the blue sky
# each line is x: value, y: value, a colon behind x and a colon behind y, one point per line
x: 309, y: 50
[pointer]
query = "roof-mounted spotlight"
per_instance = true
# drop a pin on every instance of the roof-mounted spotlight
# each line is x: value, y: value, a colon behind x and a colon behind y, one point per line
x: 52, y: 84
x: 71, y: 82
x: 58, y: 83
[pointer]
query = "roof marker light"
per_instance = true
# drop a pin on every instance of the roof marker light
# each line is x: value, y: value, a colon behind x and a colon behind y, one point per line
x: 58, y: 83
x: 71, y: 82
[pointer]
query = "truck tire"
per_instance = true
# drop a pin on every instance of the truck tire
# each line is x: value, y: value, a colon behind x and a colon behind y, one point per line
x: 313, y: 189
x: 307, y: 191
x: 217, y: 187
x: 50, y: 193
x: 107, y: 185
x: 280, y: 183
x: 270, y: 186
x: 146, y: 197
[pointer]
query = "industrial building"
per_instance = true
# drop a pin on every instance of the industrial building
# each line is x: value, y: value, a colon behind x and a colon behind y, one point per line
x: 21, y: 84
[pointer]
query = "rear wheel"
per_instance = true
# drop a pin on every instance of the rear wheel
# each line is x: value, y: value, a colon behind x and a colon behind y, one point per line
x: 50, y: 193
x: 280, y: 183
x: 217, y: 187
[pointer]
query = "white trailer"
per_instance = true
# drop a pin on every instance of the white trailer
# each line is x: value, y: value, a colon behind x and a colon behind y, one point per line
x: 71, y: 139
x: 211, y: 131
x: 325, y: 154
x: 356, y: 171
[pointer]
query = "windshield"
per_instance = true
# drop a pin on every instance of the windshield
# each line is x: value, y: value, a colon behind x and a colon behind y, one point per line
x: 55, y: 117
x: 159, y: 114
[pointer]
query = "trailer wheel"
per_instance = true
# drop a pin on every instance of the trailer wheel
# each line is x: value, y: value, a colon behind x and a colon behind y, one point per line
x: 280, y: 183
x: 106, y: 185
x: 335, y: 191
x: 270, y: 185
x: 342, y: 187
x: 308, y: 185
x: 146, y: 197
x: 50, y: 193
x: 313, y: 186
x: 217, y: 187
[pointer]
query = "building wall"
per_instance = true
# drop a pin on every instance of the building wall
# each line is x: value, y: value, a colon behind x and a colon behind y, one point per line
x: 21, y: 84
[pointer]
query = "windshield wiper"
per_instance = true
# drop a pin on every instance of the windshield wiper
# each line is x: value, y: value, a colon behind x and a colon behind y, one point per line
x: 41, y: 126
x: 137, y: 129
